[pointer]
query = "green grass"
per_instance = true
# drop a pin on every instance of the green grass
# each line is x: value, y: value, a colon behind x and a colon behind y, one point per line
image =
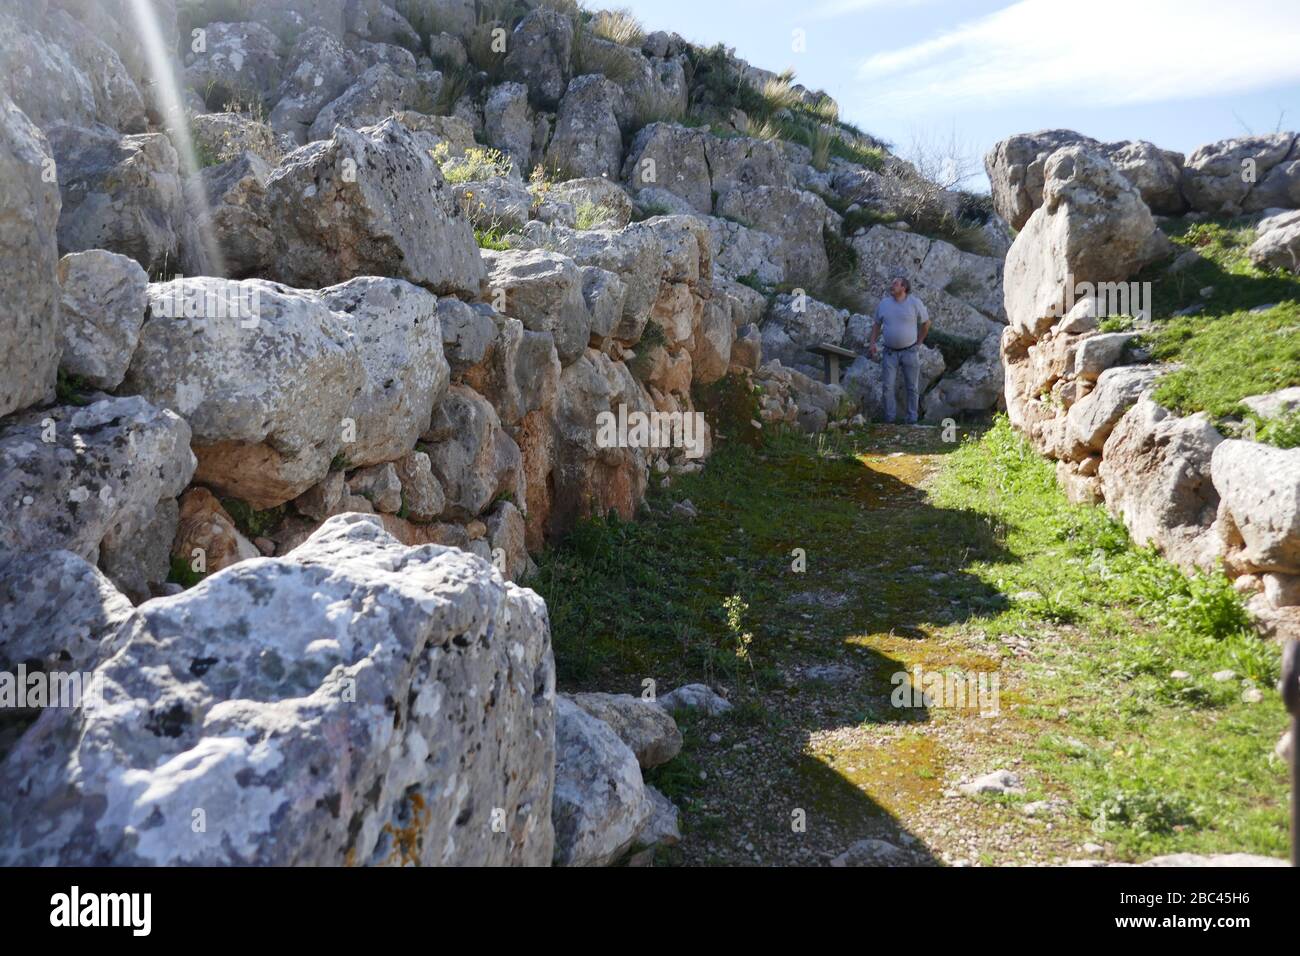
x: 1282, y: 431
x: 251, y: 523
x: 70, y: 389
x: 1152, y: 763
x: 1229, y: 351
x: 1228, y: 357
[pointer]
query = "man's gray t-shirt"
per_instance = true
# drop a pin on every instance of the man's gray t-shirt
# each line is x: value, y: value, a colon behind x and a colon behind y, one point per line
x: 901, y: 321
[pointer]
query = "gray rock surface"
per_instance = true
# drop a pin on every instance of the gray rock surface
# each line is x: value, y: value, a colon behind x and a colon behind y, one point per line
x: 368, y: 202
x: 641, y: 724
x: 600, y: 801
x: 30, y: 327
x: 96, y: 484
x: 102, y: 306
x: 229, y: 710
x: 265, y: 375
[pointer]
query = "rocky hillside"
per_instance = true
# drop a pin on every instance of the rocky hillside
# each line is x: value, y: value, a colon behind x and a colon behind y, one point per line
x: 1180, y: 407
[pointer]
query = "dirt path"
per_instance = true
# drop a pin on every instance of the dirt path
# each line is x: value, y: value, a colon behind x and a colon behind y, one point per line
x: 815, y: 756
x: 823, y: 759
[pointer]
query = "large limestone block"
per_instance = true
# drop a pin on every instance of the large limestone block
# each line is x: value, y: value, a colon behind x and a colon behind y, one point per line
x: 1259, y: 511
x: 355, y: 702
x: 370, y: 202
x: 91, y: 480
x: 265, y: 375
x: 30, y: 329
x: 1155, y: 476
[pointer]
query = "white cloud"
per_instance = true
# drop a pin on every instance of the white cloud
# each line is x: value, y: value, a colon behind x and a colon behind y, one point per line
x: 828, y: 9
x: 1099, y: 53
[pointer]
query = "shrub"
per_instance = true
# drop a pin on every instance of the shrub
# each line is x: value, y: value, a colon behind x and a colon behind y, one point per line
x: 478, y: 163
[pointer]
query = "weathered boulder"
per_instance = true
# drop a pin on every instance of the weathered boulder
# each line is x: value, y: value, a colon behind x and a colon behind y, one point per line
x: 543, y: 290
x: 590, y: 203
x: 378, y: 22
x: 540, y: 54
x: 1156, y: 173
x: 1155, y: 476
x: 590, y: 479
x: 368, y: 202
x: 121, y: 193
x: 290, y: 20
x: 508, y: 123
x: 1278, y: 247
x: 1259, y: 506
x: 501, y: 203
x: 236, y: 217
x: 711, y: 356
x: 422, y: 494
x: 467, y: 333
x: 237, y: 63
x: 1091, y: 228
x: 102, y: 307
x: 794, y: 323
x: 600, y: 801
x: 1281, y: 186
x: 396, y: 330
x: 699, y: 697
x: 634, y: 254
x: 741, y: 162
x: 506, y: 533
x: 1220, y: 178
x: 1015, y: 168
x: 375, y: 95
x: 604, y: 292
x: 641, y: 724
x: 474, y: 458
x: 522, y: 372
x: 206, y: 535
x: 91, y: 480
x: 317, y: 71
x: 668, y: 157
x: 1090, y: 420
x: 795, y: 217
x: 379, y: 485
x: 265, y: 375
x: 430, y: 673
x: 587, y: 140
x: 64, y: 73
x: 59, y: 611
x: 30, y: 326
x: 743, y: 253
x: 1096, y: 353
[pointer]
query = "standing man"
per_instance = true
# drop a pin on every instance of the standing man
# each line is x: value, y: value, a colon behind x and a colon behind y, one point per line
x: 906, y: 323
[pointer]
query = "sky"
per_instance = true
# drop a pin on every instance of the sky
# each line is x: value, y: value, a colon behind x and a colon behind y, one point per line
x: 1179, y: 73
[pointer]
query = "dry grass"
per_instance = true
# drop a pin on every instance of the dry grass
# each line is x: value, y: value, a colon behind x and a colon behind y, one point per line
x: 618, y: 26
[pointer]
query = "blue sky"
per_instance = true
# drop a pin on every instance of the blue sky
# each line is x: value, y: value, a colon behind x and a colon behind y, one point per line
x: 1179, y: 73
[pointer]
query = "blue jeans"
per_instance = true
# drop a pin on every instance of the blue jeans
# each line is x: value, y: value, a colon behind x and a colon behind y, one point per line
x: 909, y: 360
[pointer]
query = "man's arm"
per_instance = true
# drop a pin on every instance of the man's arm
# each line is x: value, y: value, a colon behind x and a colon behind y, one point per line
x: 875, y: 331
x: 925, y: 322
